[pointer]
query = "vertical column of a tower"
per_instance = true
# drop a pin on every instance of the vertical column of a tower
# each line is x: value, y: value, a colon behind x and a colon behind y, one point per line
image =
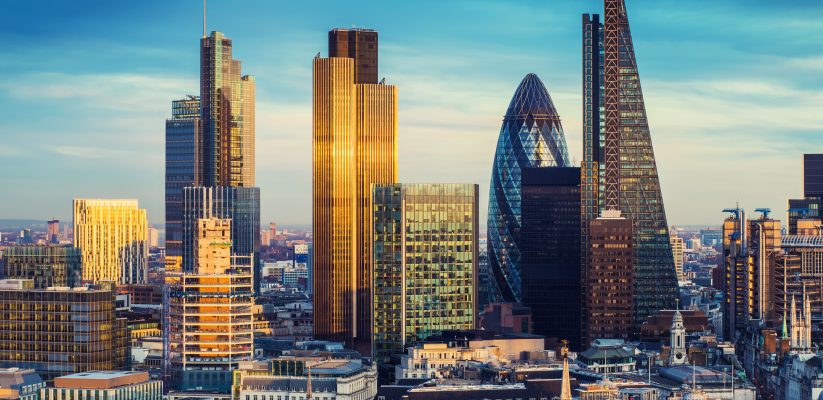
x: 611, y: 47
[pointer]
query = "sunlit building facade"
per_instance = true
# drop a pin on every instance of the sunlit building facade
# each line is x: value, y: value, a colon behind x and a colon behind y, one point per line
x: 209, y: 312
x: 678, y: 246
x: 60, y: 331
x: 425, y: 262
x: 531, y: 136
x: 112, y: 235
x: 619, y: 168
x: 183, y: 165
x: 227, y: 101
x: 354, y: 145
x: 46, y: 266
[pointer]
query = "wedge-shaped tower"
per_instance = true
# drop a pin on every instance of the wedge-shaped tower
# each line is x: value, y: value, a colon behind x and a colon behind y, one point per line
x: 619, y: 169
x: 531, y: 136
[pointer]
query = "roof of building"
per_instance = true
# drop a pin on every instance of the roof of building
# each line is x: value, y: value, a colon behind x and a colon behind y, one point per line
x: 15, y: 378
x: 683, y: 374
x: 101, y: 379
x: 802, y: 241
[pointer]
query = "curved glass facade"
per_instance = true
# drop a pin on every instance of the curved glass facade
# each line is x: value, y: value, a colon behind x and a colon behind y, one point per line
x: 531, y: 136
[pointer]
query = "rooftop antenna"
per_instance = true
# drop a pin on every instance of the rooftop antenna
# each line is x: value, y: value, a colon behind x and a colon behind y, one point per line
x: 204, y: 19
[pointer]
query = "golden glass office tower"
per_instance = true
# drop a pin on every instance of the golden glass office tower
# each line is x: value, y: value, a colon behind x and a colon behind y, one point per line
x: 354, y: 145
x: 112, y: 236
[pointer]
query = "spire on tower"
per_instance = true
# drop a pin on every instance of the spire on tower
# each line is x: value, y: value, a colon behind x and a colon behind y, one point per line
x: 565, y: 387
x: 204, y: 18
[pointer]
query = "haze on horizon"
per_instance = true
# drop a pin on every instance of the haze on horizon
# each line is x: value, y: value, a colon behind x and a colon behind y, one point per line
x: 732, y: 89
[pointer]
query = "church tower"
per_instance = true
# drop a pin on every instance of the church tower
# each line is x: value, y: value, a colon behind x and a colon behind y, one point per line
x: 677, y: 352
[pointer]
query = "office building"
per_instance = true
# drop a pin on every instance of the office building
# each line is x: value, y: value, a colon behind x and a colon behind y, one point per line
x: 183, y: 158
x: 153, y: 238
x: 611, y: 278
x: 550, y: 251
x: 425, y: 262
x: 113, y: 385
x: 678, y: 247
x: 357, y: 44
x: 751, y: 249
x: 354, y: 145
x: 299, y: 378
x: 20, y: 384
x: 53, y: 231
x: 209, y: 312
x: 619, y: 169
x: 226, y: 116
x: 59, y: 331
x: 531, y: 136
x: 809, y: 206
x: 46, y: 266
x: 112, y: 236
x: 239, y: 204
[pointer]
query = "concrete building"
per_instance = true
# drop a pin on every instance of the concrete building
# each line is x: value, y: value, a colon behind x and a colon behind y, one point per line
x: 20, y: 384
x: 47, y: 266
x: 112, y: 385
x: 608, y: 356
x: 112, y: 236
x: 209, y: 313
x: 57, y: 331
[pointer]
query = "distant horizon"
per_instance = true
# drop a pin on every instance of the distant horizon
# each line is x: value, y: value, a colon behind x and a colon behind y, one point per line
x: 732, y: 91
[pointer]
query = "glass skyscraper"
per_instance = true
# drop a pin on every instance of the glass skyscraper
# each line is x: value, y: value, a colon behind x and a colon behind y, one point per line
x: 531, y: 136
x: 619, y: 170
x: 226, y: 114
x: 425, y: 262
x: 182, y: 170
x: 354, y: 145
x: 550, y: 248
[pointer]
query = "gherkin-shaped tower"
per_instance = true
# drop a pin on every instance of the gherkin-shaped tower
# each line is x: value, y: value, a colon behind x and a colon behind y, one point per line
x: 531, y: 136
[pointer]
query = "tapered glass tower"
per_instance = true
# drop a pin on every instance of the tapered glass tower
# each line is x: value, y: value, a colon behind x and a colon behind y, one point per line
x: 531, y: 136
x: 619, y: 169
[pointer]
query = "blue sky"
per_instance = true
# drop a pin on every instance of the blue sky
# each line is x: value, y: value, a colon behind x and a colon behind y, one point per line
x: 733, y: 91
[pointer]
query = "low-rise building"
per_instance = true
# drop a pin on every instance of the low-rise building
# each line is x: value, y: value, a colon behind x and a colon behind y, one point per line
x: 290, y: 378
x: 111, y: 385
x: 608, y: 356
x: 20, y: 384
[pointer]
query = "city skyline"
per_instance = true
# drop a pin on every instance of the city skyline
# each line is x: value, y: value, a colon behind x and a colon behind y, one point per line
x: 725, y: 88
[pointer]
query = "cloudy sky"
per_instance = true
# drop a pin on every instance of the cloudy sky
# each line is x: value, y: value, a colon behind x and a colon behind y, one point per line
x: 733, y: 90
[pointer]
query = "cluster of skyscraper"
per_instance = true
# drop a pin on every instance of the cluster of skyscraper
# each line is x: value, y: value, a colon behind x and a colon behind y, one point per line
x: 586, y: 248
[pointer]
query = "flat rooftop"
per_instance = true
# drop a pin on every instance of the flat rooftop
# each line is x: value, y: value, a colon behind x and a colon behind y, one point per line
x: 101, y: 379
